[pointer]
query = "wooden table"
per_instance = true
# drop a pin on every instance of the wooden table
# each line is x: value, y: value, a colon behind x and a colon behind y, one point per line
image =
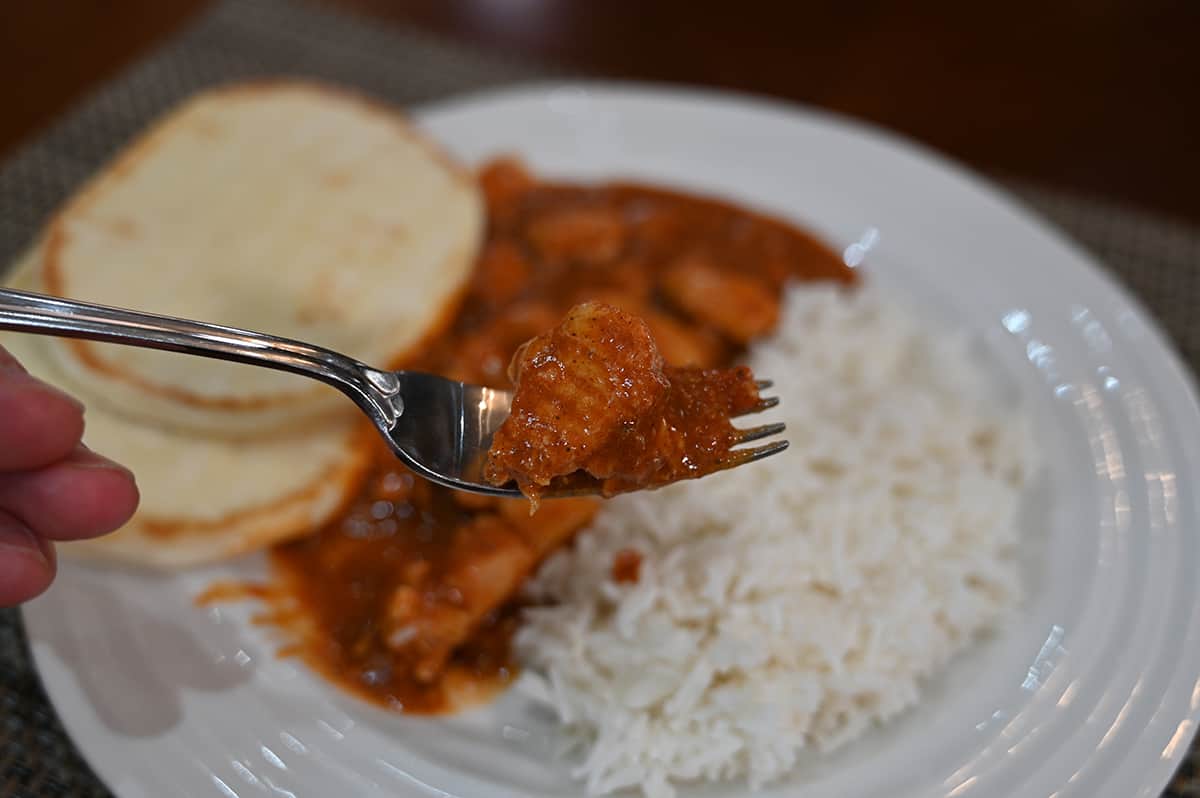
x: 1100, y: 96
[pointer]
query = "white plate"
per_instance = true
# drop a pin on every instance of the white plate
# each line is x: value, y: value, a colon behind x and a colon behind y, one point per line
x: 1092, y: 693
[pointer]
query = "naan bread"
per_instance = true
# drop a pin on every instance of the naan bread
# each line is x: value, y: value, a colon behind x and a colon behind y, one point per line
x: 291, y: 209
x: 207, y: 499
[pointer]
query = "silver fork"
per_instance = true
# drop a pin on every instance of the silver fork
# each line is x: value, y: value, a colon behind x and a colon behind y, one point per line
x: 440, y: 428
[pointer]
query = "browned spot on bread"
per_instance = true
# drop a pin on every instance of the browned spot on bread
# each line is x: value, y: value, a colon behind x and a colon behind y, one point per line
x: 313, y: 314
x: 208, y: 130
x: 317, y: 305
x: 123, y: 227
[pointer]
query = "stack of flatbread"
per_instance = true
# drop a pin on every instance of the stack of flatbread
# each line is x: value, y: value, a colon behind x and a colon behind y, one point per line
x: 290, y: 209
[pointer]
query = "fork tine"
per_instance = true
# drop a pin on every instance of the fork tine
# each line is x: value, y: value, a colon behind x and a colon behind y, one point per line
x: 765, y: 403
x: 743, y: 456
x: 757, y: 433
x: 763, y: 385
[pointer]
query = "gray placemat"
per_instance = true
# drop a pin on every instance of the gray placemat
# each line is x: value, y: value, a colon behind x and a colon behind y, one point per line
x: 1157, y: 259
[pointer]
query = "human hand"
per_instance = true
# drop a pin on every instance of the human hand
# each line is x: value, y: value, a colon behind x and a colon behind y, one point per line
x: 52, y: 487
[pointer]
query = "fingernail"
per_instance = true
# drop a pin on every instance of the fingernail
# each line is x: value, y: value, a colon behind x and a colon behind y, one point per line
x: 77, y: 403
x: 15, y: 536
x: 9, y: 364
x: 87, y: 459
x: 46, y: 387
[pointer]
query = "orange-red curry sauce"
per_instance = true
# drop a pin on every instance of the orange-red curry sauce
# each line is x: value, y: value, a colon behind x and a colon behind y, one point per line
x: 406, y: 599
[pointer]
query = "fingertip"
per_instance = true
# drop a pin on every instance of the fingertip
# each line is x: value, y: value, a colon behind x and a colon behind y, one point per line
x: 110, y: 489
x: 82, y: 496
x: 112, y: 496
x: 27, y: 562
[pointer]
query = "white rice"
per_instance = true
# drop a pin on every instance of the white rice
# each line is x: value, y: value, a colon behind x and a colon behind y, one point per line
x: 793, y: 603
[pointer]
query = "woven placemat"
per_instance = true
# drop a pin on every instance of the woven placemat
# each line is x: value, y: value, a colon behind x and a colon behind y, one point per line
x: 1158, y: 260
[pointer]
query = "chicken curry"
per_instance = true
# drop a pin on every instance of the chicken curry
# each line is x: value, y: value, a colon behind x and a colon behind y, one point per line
x: 410, y: 597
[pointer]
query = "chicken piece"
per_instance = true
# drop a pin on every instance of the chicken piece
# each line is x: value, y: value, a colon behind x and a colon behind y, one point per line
x: 503, y: 180
x: 580, y: 234
x: 483, y: 356
x: 631, y: 277
x: 577, y: 386
x: 501, y: 274
x: 682, y: 344
x: 429, y: 617
x: 426, y: 620
x: 596, y: 410
x: 688, y: 436
x: 738, y: 305
x: 479, y: 358
x: 475, y: 501
x: 553, y: 526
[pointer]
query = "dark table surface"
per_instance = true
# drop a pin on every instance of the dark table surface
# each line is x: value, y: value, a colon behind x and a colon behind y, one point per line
x: 1099, y: 96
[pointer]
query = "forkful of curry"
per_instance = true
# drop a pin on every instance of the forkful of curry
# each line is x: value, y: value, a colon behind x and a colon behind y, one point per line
x: 597, y: 410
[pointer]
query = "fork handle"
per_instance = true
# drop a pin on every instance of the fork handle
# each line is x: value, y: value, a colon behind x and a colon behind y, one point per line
x: 376, y: 392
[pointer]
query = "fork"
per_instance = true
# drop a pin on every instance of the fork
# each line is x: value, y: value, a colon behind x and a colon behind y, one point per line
x: 440, y: 428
